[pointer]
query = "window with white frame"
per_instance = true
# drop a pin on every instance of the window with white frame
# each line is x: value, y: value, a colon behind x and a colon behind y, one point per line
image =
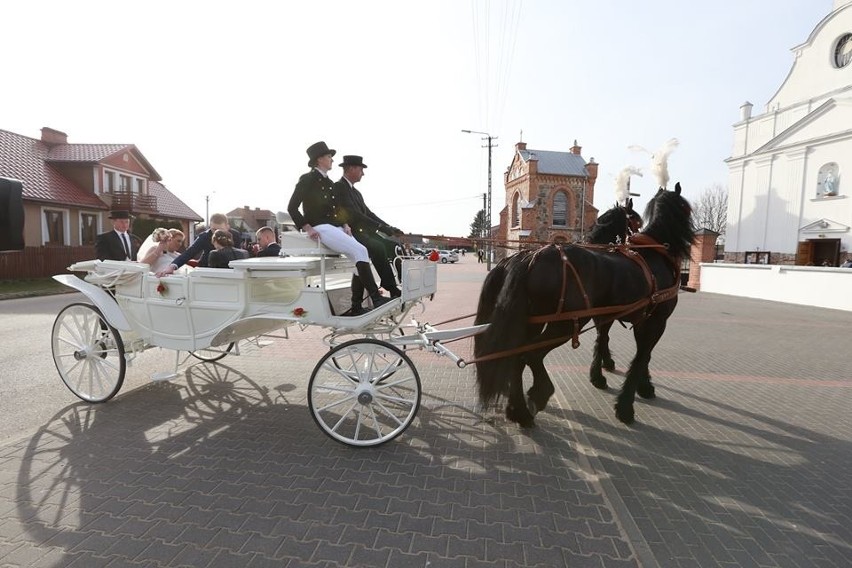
x: 560, y: 209
x: 109, y: 182
x: 55, y: 227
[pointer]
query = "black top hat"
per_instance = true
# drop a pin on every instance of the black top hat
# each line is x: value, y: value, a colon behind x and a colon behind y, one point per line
x: 119, y: 214
x: 319, y: 149
x: 353, y: 161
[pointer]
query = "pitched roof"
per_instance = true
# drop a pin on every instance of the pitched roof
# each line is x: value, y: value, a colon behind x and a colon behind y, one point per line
x: 557, y: 163
x: 25, y: 159
x: 253, y: 218
x: 94, y: 153
x: 169, y: 205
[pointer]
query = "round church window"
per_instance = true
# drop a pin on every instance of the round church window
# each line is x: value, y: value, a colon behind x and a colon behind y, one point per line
x: 843, y: 51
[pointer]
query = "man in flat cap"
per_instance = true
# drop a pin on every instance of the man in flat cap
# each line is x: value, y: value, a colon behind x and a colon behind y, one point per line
x: 366, y: 227
x: 320, y: 218
x: 117, y: 244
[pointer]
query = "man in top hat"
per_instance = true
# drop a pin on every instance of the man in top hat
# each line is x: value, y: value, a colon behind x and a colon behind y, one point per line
x: 320, y: 217
x: 365, y: 224
x: 117, y: 244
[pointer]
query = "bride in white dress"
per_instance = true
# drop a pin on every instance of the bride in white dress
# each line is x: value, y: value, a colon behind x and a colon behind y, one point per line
x: 160, y: 248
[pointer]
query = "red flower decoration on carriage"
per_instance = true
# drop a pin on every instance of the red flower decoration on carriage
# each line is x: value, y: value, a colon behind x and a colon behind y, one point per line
x: 161, y: 288
x: 300, y: 312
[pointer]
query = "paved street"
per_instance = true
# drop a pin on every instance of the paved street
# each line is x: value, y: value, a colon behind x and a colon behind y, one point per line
x: 743, y: 459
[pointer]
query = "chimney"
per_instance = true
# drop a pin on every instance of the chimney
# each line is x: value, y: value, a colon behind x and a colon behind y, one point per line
x: 520, y: 146
x: 53, y: 137
x: 575, y: 149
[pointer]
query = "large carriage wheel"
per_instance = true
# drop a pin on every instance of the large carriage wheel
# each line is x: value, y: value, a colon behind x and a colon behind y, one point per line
x: 88, y: 353
x: 211, y: 354
x: 364, y: 392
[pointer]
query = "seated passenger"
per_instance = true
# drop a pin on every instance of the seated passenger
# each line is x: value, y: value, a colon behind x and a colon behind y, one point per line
x: 223, y: 250
x: 163, y: 249
x: 266, y: 242
x: 202, y: 245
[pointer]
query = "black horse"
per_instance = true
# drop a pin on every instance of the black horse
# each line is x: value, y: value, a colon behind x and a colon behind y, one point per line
x: 614, y: 226
x: 538, y: 300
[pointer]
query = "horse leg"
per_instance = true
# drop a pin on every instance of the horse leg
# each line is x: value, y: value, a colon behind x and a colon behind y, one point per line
x: 601, y: 357
x: 638, y: 379
x: 516, y: 408
x: 542, y: 388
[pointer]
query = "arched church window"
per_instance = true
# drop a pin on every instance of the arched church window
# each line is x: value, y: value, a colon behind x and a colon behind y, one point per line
x: 560, y: 209
x: 516, y: 211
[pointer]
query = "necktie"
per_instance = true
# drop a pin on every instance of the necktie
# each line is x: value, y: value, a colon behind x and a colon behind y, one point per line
x: 126, y: 244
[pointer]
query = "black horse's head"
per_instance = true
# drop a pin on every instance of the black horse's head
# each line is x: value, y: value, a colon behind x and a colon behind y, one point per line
x: 615, y: 224
x: 669, y: 218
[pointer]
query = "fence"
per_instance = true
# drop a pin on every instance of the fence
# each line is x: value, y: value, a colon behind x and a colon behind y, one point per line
x: 41, y: 262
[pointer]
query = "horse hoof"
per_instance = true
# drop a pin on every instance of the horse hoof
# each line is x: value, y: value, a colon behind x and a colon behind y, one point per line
x: 599, y: 382
x: 520, y: 416
x: 646, y: 391
x: 625, y: 415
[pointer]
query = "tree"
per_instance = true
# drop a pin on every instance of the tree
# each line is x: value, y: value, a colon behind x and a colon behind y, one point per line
x: 711, y: 209
x: 479, y: 227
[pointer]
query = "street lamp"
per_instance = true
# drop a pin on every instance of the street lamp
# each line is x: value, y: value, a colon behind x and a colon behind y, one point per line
x: 207, y: 209
x: 489, y: 140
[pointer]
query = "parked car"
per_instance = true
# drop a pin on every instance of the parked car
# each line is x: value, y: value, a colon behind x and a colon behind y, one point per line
x: 448, y: 256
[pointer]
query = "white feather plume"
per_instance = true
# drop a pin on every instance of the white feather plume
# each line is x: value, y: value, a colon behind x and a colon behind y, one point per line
x: 659, y: 160
x: 622, y: 183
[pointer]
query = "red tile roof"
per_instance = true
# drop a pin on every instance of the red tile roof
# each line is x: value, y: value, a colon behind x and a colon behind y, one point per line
x: 169, y: 205
x: 25, y: 159
x: 94, y: 153
x: 29, y: 160
x: 253, y: 218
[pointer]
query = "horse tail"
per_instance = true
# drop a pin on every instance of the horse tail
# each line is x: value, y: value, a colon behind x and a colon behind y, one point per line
x: 503, y: 305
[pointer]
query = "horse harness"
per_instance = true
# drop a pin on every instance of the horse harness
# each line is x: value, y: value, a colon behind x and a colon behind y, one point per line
x: 650, y: 302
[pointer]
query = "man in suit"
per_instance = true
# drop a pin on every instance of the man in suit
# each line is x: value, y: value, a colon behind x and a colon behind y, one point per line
x: 117, y: 244
x: 266, y: 242
x: 202, y: 245
x: 321, y: 219
x: 365, y: 225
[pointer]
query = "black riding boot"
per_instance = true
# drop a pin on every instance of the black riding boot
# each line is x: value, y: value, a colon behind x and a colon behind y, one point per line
x: 388, y: 281
x: 365, y: 273
x: 357, y: 298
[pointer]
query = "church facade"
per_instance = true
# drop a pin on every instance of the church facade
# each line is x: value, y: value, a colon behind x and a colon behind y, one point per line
x: 549, y: 198
x: 790, y: 172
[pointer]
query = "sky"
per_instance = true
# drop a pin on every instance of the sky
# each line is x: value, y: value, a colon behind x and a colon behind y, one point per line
x: 223, y: 98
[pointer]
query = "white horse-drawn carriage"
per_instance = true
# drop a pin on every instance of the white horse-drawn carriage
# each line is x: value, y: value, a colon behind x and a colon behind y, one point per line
x: 363, y: 392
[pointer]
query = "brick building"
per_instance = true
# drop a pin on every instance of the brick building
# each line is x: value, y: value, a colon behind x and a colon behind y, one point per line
x: 549, y: 197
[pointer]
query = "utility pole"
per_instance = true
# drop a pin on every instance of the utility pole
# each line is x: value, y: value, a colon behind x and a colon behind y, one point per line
x: 488, y: 248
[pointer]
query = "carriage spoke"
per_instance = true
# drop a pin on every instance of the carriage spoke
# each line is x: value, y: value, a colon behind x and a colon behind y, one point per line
x: 338, y: 403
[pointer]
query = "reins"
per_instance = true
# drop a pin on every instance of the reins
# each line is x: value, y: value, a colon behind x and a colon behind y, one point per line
x: 648, y: 303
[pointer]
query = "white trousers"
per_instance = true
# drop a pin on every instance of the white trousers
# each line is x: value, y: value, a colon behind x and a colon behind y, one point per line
x: 337, y: 240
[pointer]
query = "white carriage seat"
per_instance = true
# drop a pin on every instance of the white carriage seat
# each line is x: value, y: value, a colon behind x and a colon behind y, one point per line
x: 297, y: 243
x: 124, y: 276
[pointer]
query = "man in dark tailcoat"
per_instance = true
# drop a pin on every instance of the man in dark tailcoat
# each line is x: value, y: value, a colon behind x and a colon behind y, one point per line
x: 117, y: 244
x: 266, y: 242
x: 320, y: 217
x: 365, y: 224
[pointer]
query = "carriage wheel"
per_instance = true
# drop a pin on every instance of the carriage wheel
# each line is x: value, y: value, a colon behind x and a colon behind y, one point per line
x: 211, y: 354
x: 88, y: 353
x: 364, y: 392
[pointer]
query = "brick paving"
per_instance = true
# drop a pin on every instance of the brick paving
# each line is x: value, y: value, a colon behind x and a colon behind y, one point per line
x: 743, y: 459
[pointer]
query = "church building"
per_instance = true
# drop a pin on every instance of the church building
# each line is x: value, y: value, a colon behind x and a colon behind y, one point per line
x: 789, y: 199
x: 549, y: 197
